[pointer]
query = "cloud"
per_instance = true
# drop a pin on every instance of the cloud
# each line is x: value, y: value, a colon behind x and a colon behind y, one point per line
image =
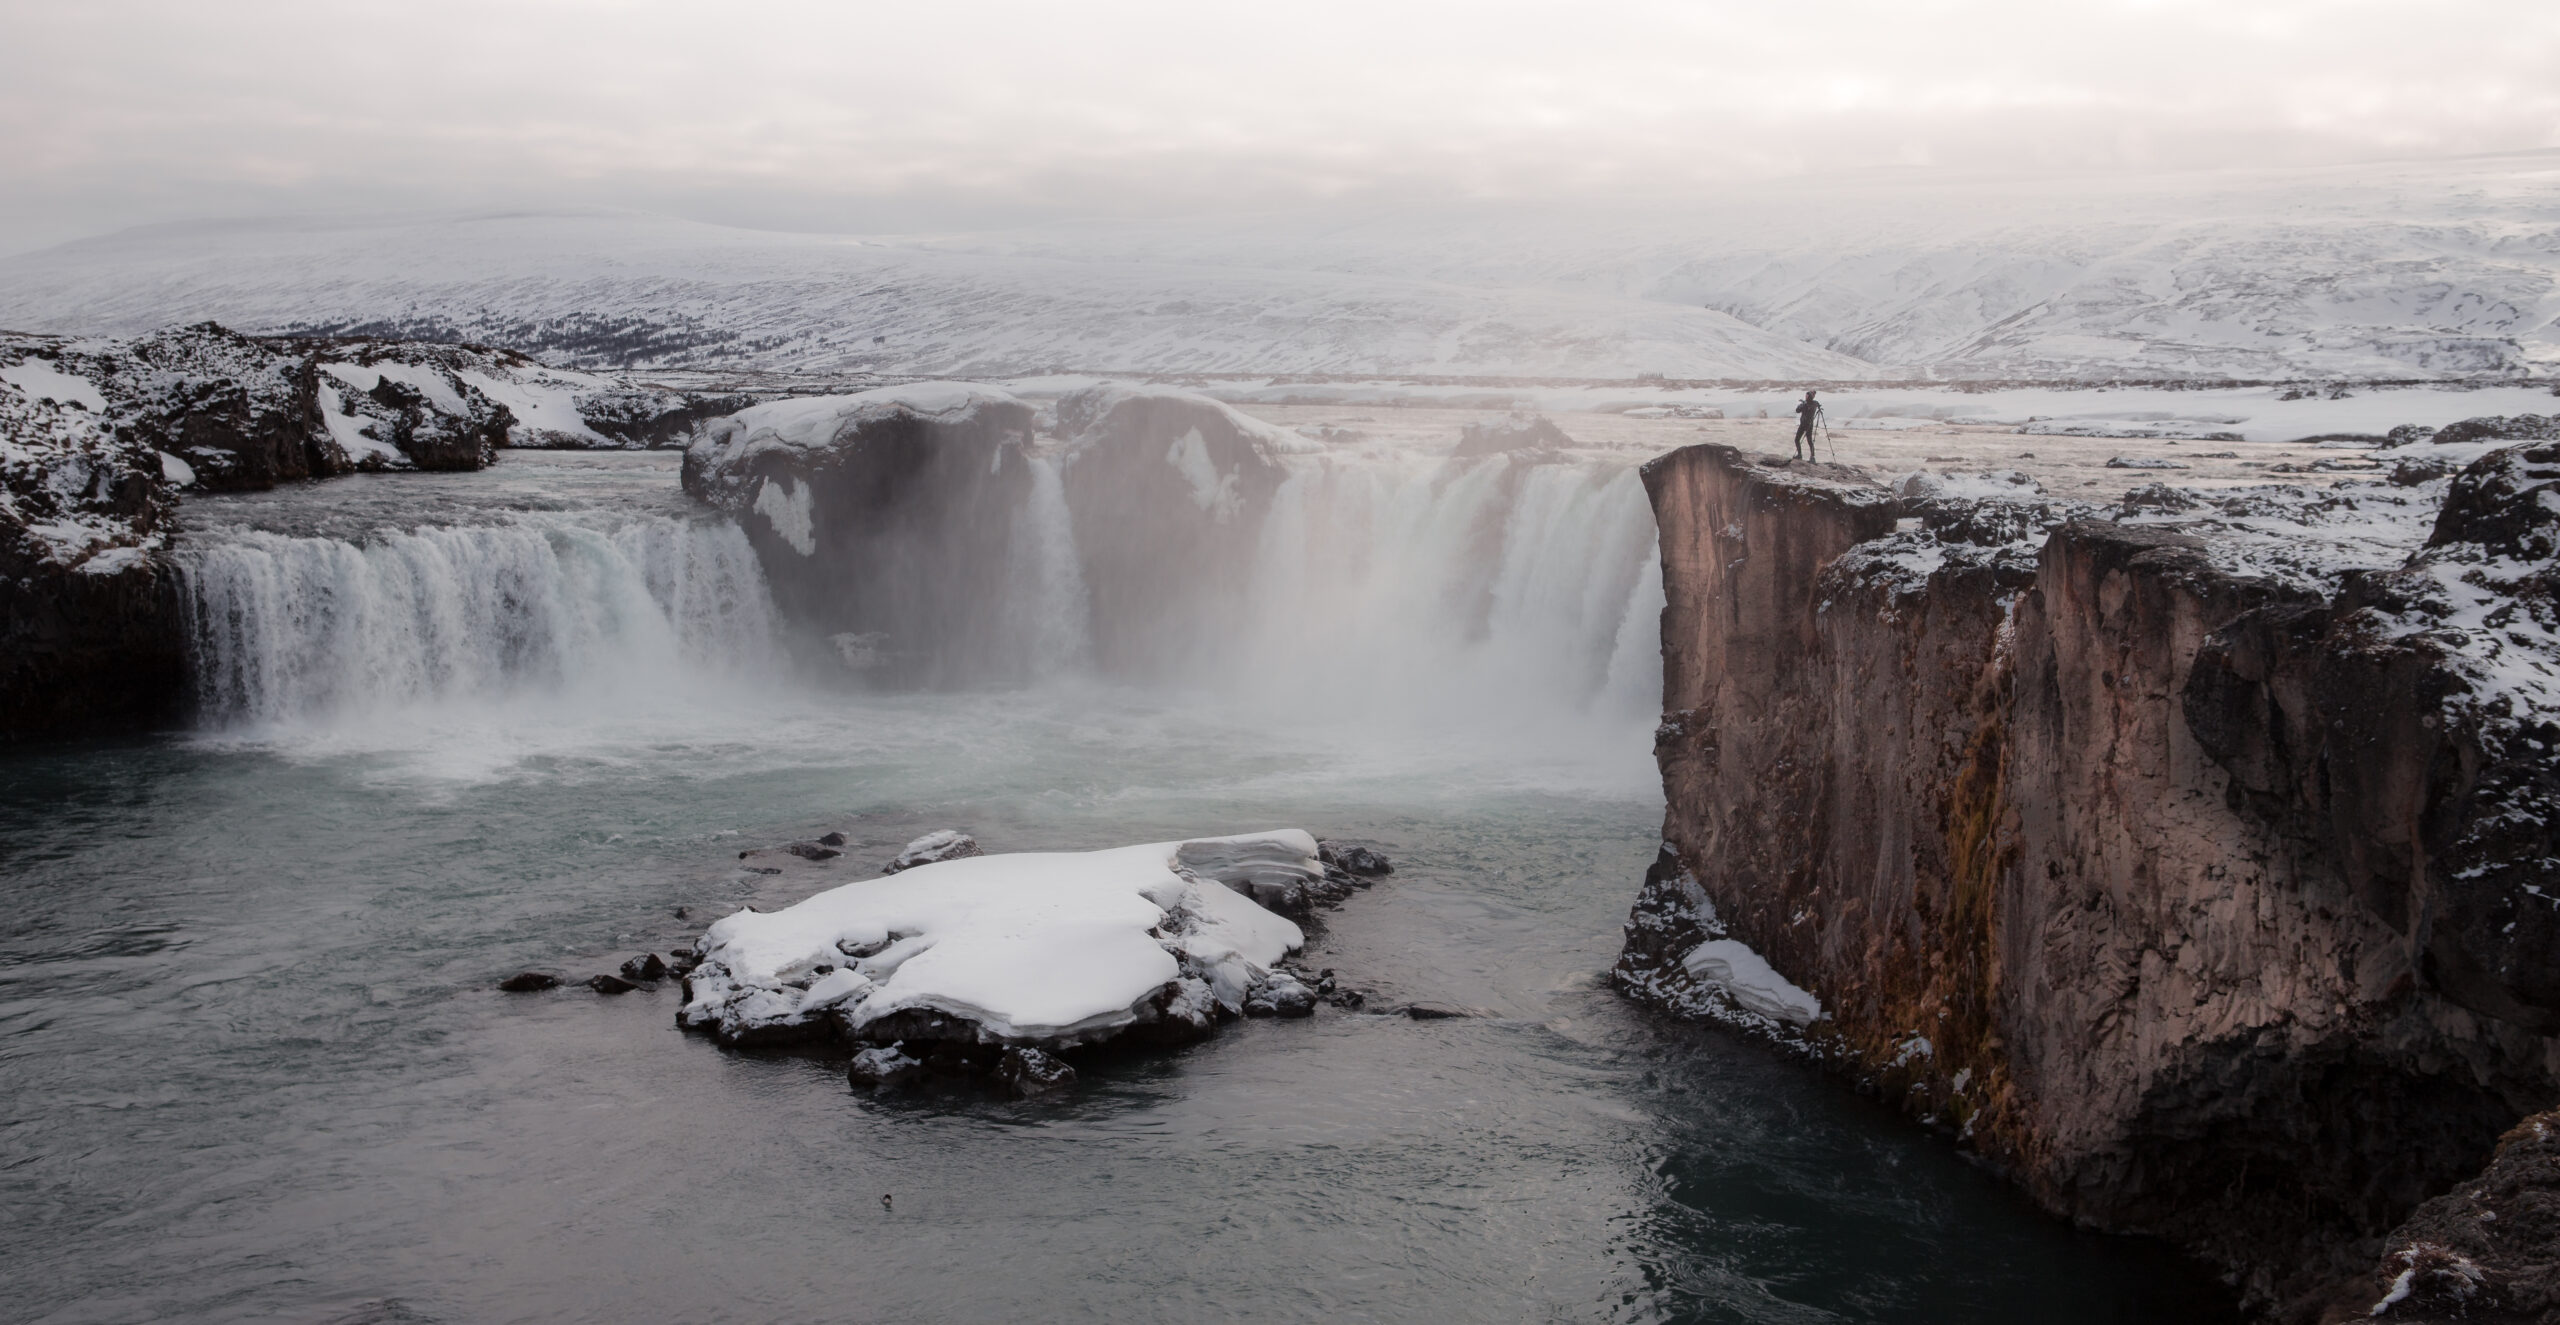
x: 863, y: 115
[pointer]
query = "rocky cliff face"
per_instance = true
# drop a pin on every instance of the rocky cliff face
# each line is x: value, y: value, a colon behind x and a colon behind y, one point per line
x: 941, y: 533
x: 2193, y: 873
x: 87, y: 634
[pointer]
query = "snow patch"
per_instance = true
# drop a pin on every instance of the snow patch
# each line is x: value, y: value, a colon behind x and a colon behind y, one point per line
x: 786, y: 506
x: 1056, y: 947
x: 1755, y: 986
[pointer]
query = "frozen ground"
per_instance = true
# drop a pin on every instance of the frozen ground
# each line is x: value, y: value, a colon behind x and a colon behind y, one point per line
x: 2064, y: 465
x: 2429, y: 270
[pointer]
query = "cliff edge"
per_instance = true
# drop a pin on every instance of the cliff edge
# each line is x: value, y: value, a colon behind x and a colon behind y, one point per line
x: 2196, y: 861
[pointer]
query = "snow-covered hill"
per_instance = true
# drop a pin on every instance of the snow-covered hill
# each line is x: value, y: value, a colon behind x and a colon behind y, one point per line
x: 2442, y: 269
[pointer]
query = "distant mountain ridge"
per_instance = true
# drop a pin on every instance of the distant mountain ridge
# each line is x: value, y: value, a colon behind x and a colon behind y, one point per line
x: 2426, y: 270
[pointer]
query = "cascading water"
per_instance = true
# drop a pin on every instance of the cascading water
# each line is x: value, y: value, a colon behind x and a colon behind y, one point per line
x: 1418, y: 583
x: 284, y: 627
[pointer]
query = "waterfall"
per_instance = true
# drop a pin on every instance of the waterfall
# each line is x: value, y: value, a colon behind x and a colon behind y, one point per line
x: 1049, y: 606
x: 1497, y: 585
x: 1377, y: 583
x: 286, y: 627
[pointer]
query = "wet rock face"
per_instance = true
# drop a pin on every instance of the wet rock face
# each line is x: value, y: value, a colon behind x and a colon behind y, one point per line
x: 884, y: 521
x: 2196, y: 900
x: 1168, y: 492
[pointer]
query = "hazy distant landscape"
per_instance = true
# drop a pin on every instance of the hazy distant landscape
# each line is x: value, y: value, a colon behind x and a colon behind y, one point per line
x: 2426, y: 270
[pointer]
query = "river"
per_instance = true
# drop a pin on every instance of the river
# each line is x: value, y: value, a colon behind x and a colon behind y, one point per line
x: 454, y: 726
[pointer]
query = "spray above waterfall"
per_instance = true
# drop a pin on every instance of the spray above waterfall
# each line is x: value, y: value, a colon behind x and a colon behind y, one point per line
x: 956, y: 537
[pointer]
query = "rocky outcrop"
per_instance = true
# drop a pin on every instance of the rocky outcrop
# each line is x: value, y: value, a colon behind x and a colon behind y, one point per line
x: 944, y: 533
x: 87, y: 640
x: 884, y: 520
x: 2486, y: 1253
x: 2192, y: 875
x: 246, y: 412
x: 1168, y: 492
x: 995, y: 966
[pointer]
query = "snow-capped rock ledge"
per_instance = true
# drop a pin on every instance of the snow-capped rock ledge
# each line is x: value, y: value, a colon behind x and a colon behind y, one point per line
x: 1016, y: 955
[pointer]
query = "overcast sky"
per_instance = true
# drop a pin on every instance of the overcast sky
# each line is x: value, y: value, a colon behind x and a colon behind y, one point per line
x: 945, y: 114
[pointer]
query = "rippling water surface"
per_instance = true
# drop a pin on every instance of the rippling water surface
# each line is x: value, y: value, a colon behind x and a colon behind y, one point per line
x: 255, y: 1067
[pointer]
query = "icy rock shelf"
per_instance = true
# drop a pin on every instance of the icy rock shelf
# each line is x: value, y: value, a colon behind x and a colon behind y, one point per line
x: 994, y: 965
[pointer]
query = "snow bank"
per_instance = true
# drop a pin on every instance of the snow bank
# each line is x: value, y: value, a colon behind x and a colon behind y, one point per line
x: 1730, y: 966
x: 1053, y: 949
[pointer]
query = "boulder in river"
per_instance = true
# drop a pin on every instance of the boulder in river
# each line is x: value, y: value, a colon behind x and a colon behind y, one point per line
x: 529, y: 982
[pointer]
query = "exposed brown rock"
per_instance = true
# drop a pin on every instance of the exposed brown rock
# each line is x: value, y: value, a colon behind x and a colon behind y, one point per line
x: 2143, y: 875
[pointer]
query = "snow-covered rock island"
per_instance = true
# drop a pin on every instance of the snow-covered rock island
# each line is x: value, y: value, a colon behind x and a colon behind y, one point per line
x: 995, y: 963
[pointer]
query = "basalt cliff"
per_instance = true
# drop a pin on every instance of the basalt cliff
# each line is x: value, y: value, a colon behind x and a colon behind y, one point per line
x: 2195, y: 861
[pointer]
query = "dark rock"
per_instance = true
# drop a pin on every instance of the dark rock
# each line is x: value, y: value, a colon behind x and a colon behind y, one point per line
x: 1168, y: 492
x: 2500, y: 428
x: 1029, y: 1072
x: 1283, y: 997
x: 761, y: 869
x: 959, y: 1058
x: 610, y: 984
x: 2151, y: 497
x: 945, y: 844
x: 529, y: 982
x: 1432, y: 1011
x: 812, y: 851
x: 832, y: 840
x: 2407, y: 433
x: 2507, y: 503
x: 1535, y: 432
x: 645, y: 967
x: 1352, y: 859
x: 884, y: 1065
x: 893, y: 534
x: 2487, y: 1252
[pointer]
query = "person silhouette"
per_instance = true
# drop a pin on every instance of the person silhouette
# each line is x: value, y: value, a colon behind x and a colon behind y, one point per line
x: 1807, y: 410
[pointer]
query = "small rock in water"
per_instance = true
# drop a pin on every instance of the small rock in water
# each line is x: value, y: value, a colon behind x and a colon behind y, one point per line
x: 684, y: 913
x: 813, y: 851
x: 1030, y: 1072
x: 882, y: 1067
x: 1432, y: 1011
x: 646, y: 966
x: 1284, y: 996
x: 1353, y: 859
x: 610, y: 984
x: 832, y: 840
x: 762, y: 869
x: 529, y: 982
x: 948, y: 844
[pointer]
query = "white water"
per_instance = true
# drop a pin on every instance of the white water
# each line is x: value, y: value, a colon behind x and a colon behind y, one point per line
x: 1489, y: 595
x: 1490, y: 586
x: 286, y: 628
